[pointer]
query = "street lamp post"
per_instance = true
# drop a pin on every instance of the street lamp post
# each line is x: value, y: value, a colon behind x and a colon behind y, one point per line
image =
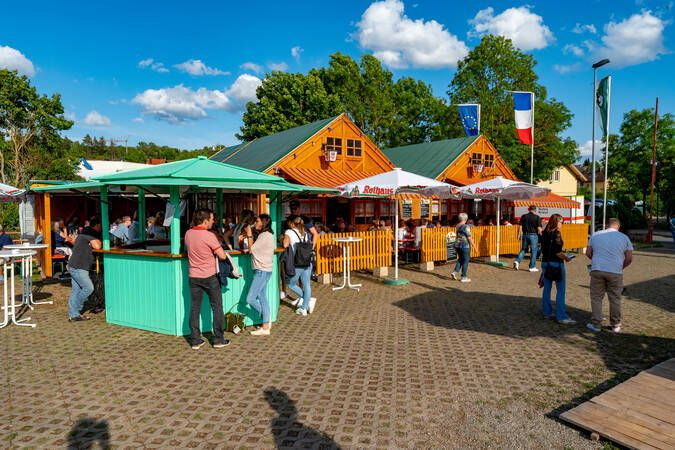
x: 595, y: 79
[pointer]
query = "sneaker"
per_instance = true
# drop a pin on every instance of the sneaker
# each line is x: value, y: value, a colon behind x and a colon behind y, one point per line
x: 534, y: 269
x: 592, y: 327
x: 312, y: 304
x: 79, y: 318
x: 198, y: 346
x: 616, y: 329
x: 296, y: 302
x: 516, y: 265
x: 302, y: 312
x: 225, y: 343
x: 454, y: 275
x: 466, y: 280
x: 567, y: 321
x: 282, y: 294
x: 260, y: 332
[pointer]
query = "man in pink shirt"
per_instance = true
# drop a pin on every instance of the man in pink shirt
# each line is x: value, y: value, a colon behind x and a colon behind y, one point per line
x: 201, y: 246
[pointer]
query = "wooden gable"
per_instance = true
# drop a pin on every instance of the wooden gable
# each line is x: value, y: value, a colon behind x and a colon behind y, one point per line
x: 461, y: 170
x: 311, y: 153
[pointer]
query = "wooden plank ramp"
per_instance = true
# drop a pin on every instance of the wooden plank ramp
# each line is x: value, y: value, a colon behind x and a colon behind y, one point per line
x: 639, y: 413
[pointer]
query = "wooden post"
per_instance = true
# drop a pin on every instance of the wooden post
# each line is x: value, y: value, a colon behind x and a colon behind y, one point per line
x: 47, y: 233
x: 175, y: 222
x: 219, y: 208
x: 105, y: 222
x: 141, y: 214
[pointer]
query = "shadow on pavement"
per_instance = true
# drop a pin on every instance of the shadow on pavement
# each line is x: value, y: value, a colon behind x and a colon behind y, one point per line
x: 86, y: 432
x: 643, y: 292
x: 288, y: 432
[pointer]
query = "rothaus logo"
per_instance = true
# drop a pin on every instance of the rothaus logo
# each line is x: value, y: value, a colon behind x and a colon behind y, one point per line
x: 376, y: 190
x: 486, y: 190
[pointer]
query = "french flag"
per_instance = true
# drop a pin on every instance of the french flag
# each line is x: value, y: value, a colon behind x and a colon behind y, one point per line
x: 524, y: 116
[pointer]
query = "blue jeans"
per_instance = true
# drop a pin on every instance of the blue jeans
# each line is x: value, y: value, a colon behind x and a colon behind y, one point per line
x: 303, y: 274
x: 529, y: 240
x: 560, y: 313
x: 82, y: 289
x: 463, y: 257
x: 257, y: 294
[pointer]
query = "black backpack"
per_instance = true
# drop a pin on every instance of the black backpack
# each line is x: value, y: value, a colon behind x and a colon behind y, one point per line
x: 303, y: 252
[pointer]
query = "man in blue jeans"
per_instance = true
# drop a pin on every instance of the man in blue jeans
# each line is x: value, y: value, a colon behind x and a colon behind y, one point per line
x: 79, y: 264
x: 528, y: 233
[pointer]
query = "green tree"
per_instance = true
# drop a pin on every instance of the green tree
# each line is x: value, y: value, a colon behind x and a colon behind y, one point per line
x: 485, y: 76
x: 287, y: 100
x: 630, y: 157
x: 28, y: 119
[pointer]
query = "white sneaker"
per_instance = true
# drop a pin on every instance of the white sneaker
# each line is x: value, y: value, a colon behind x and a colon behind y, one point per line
x: 302, y: 312
x: 616, y: 329
x: 312, y: 304
x: 282, y: 294
x: 592, y: 327
x: 567, y: 322
x: 454, y: 275
x: 466, y: 280
x: 260, y: 332
x: 296, y: 302
x: 516, y: 265
x: 534, y: 269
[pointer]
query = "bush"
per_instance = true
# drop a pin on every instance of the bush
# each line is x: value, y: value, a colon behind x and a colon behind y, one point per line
x: 9, y: 216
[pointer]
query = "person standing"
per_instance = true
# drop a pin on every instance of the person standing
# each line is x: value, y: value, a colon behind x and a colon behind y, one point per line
x: 528, y: 233
x: 5, y: 239
x: 122, y: 230
x: 553, y: 261
x: 293, y: 236
x: 201, y: 246
x: 463, y: 245
x: 262, y: 257
x: 79, y: 264
x: 610, y: 252
x: 308, y: 224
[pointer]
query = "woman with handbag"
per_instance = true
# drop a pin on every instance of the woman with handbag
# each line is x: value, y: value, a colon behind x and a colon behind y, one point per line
x: 463, y: 245
x: 262, y: 257
x: 553, y: 269
x: 300, y: 242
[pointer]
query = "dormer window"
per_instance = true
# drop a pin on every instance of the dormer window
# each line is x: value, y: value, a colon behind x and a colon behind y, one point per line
x: 334, y: 144
x: 354, y: 147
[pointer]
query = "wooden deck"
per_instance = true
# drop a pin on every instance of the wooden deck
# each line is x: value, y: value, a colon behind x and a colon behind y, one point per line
x: 639, y: 413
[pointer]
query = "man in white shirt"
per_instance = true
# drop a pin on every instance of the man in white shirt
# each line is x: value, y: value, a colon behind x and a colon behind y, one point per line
x: 610, y: 252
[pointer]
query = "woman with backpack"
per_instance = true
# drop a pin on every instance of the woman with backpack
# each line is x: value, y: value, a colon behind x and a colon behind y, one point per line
x: 301, y: 244
x: 262, y: 257
x: 553, y: 269
x: 463, y: 245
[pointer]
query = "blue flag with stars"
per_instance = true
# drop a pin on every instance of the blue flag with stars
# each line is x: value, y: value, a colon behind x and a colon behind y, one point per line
x: 468, y: 114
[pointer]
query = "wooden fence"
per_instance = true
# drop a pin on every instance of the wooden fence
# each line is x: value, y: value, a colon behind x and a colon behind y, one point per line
x: 575, y: 235
x: 375, y: 250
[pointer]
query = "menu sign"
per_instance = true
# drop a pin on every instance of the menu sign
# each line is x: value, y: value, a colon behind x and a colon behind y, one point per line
x: 424, y: 208
x: 406, y: 209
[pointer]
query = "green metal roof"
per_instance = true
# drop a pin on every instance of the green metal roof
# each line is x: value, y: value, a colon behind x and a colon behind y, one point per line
x: 69, y: 186
x: 428, y: 159
x: 260, y: 154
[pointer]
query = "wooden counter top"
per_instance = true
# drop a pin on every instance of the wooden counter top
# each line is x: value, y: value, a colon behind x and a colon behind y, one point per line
x: 160, y: 254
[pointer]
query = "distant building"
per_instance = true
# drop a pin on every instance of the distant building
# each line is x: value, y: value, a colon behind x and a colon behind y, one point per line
x: 565, y: 180
x: 93, y: 168
x: 588, y: 174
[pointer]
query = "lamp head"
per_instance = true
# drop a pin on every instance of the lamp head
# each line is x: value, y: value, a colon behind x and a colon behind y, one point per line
x: 600, y: 63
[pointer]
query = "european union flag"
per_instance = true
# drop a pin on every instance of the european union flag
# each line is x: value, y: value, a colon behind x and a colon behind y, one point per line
x: 468, y: 114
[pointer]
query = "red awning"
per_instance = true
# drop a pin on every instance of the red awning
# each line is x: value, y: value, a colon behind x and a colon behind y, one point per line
x: 550, y: 201
x: 325, y: 178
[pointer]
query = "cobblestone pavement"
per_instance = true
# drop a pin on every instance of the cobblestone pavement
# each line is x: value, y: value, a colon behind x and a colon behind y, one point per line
x: 436, y: 363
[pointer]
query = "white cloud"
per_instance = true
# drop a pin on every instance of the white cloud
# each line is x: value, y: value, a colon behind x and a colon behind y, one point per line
x: 197, y: 67
x: 563, y: 69
x: 153, y: 65
x: 94, y: 118
x: 399, y: 41
x: 523, y: 27
x: 243, y: 89
x: 296, y: 52
x: 253, y: 67
x: 180, y: 104
x: 13, y: 59
x: 70, y: 116
x: 145, y: 62
x: 586, y: 150
x: 159, y: 67
x: 278, y: 67
x: 574, y: 49
x: 579, y: 28
x: 635, y: 40
x: 138, y: 120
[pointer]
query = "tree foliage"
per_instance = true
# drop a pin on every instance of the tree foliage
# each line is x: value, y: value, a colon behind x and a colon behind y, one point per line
x: 485, y: 76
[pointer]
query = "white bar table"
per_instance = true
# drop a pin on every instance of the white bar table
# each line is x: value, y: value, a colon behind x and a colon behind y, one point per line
x: 346, y: 267
x: 27, y: 273
x: 10, y: 256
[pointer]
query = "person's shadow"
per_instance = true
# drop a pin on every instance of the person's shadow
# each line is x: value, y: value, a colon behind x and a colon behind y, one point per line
x: 287, y: 431
x: 88, y: 431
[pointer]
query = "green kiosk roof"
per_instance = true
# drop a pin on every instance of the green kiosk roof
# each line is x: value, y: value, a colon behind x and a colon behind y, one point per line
x: 428, y: 159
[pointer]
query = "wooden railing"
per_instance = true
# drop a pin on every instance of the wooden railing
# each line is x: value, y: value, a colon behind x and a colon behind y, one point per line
x: 375, y: 250
x: 575, y: 235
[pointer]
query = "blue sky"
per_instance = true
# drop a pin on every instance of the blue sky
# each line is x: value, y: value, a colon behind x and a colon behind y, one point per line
x: 178, y: 74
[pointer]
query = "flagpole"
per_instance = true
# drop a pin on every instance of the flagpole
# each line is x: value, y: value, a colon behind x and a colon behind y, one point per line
x: 604, y: 199
x: 479, y: 119
x: 532, y: 145
x: 595, y: 82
